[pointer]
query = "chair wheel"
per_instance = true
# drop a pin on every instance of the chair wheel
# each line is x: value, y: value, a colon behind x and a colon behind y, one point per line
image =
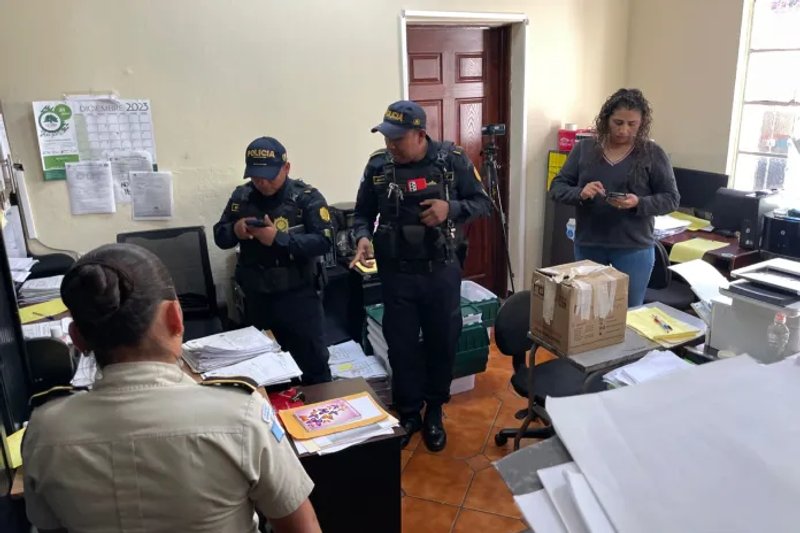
x: 500, y: 439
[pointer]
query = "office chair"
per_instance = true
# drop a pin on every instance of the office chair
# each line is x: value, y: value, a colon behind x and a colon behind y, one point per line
x: 662, y: 288
x: 184, y: 252
x: 51, y: 265
x: 556, y: 378
x: 49, y: 363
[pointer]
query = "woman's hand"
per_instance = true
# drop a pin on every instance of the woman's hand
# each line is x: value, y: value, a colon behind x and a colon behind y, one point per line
x: 592, y: 189
x: 629, y: 201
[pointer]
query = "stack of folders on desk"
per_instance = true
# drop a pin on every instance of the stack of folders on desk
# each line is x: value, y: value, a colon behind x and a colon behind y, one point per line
x: 658, y: 326
x: 348, y: 360
x: 245, y: 352
x: 680, y: 453
x: 654, y: 365
x: 333, y: 425
x: 21, y: 267
x: 667, y: 225
x: 39, y: 290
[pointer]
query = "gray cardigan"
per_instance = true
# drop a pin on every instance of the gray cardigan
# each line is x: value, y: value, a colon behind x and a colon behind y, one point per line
x: 647, y: 173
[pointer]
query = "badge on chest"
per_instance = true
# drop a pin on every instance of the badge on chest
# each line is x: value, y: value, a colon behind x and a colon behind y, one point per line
x: 416, y: 184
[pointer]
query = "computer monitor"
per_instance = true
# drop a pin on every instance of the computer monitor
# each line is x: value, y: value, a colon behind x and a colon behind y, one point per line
x: 698, y: 187
x: 14, y: 389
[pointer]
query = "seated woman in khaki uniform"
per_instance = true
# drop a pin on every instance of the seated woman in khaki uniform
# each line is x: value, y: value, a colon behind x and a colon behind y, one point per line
x: 148, y: 449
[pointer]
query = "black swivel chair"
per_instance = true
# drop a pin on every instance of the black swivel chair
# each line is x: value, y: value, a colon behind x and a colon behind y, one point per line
x: 49, y: 363
x: 184, y: 252
x: 663, y: 288
x: 557, y: 377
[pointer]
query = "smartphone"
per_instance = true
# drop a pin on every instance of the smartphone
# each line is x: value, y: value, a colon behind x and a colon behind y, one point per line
x: 616, y: 194
x: 256, y: 223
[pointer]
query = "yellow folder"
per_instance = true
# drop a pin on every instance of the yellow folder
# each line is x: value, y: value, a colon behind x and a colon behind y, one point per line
x: 43, y: 310
x: 693, y: 249
x: 365, y: 417
x: 658, y: 326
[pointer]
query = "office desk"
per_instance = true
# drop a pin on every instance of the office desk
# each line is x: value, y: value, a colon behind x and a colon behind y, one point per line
x: 724, y: 259
x: 357, y: 489
x: 602, y: 360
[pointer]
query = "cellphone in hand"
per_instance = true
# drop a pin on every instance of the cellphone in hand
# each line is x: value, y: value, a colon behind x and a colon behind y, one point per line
x: 616, y: 194
x: 256, y: 223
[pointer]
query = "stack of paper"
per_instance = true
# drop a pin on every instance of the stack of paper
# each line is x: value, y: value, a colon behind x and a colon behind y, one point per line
x: 348, y: 360
x: 47, y: 328
x: 653, y: 365
x: 336, y: 424
x: 668, y: 225
x: 658, y: 326
x: 226, y: 348
x: 673, y: 454
x: 40, y: 290
x: 266, y: 369
x: 21, y: 267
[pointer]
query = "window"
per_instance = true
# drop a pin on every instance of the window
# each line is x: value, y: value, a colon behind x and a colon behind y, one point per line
x: 768, y: 145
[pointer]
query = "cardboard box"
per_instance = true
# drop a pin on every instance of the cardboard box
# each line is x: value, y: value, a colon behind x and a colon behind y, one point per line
x: 579, y: 306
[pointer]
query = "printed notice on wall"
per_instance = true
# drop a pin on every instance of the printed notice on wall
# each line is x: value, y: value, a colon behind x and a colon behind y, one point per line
x: 122, y: 164
x: 91, y: 189
x: 91, y: 129
x: 152, y: 195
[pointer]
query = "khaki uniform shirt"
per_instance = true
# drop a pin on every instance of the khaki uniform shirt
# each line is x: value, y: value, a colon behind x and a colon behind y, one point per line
x: 149, y: 450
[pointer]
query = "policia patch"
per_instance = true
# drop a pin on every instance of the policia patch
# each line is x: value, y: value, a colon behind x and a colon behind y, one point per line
x: 324, y: 214
x: 281, y: 224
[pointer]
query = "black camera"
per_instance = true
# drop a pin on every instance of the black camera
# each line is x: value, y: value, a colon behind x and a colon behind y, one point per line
x: 493, y: 129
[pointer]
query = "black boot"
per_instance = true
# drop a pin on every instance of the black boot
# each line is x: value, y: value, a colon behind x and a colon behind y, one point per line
x: 434, y: 435
x: 411, y: 424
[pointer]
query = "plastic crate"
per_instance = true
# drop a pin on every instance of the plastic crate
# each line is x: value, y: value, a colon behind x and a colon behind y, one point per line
x: 375, y: 312
x: 485, y: 300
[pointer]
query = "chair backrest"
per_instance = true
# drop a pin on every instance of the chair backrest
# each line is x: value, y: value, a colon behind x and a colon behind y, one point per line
x: 49, y: 363
x: 661, y: 276
x: 184, y: 252
x: 512, y: 325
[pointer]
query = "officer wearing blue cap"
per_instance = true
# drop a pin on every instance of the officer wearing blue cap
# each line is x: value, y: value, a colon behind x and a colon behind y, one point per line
x: 424, y: 191
x: 282, y: 227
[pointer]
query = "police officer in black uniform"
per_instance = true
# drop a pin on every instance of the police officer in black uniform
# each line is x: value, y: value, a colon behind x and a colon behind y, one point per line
x: 282, y: 227
x: 423, y: 190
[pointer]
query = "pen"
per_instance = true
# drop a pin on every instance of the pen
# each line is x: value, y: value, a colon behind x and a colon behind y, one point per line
x: 664, y: 325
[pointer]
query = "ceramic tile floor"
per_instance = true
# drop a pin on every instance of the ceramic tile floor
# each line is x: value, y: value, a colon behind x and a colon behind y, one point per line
x: 458, y: 490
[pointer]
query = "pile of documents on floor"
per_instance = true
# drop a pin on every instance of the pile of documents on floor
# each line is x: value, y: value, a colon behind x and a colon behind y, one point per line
x: 21, y: 267
x: 245, y: 352
x: 679, y: 453
x: 348, y: 360
x: 654, y: 365
x: 658, y: 326
x: 336, y: 424
x: 39, y: 290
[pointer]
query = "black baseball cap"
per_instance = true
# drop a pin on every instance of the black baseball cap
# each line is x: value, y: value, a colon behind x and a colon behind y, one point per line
x: 401, y: 116
x: 264, y: 158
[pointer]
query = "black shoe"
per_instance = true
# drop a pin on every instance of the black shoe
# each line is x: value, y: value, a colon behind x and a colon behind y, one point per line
x: 433, y: 434
x: 411, y: 424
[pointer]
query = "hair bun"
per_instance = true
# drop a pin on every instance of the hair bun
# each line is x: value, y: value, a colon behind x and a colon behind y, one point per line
x: 95, y: 292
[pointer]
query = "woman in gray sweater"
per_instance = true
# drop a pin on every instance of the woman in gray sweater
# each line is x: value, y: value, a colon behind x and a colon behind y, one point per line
x: 619, y: 182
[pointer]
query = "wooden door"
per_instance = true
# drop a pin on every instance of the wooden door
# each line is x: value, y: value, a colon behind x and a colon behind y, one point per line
x: 460, y: 77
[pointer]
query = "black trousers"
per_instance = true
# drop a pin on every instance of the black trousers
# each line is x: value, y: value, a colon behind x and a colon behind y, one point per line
x: 297, y: 321
x: 430, y: 302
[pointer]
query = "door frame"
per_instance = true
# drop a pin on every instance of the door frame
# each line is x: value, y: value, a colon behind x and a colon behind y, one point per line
x: 517, y: 130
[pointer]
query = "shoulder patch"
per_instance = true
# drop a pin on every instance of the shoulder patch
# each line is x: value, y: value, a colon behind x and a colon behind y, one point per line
x: 376, y: 153
x: 242, y: 383
x: 60, y: 391
x: 378, y: 180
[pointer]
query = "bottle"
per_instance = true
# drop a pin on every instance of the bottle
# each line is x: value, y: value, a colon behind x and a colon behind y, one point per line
x: 571, y: 229
x: 777, y: 338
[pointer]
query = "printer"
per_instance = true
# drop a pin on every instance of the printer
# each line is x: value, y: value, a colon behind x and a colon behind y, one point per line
x: 742, y: 211
x: 740, y: 318
x: 781, y: 234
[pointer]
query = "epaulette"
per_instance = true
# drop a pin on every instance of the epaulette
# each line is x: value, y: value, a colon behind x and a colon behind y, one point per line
x: 59, y: 391
x: 458, y: 150
x: 376, y: 153
x: 242, y: 383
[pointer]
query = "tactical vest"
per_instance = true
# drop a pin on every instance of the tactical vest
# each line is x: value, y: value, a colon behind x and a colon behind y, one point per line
x: 401, y: 235
x: 272, y: 269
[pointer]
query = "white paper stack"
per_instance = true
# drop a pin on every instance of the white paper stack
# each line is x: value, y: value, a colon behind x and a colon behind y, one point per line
x: 226, y: 348
x: 46, y: 329
x: 21, y: 267
x: 666, y: 225
x: 685, y: 452
x: 266, y: 369
x: 655, y: 364
x: 348, y: 360
x: 40, y: 290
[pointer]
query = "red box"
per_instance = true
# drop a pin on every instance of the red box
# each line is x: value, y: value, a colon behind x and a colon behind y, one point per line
x: 566, y: 139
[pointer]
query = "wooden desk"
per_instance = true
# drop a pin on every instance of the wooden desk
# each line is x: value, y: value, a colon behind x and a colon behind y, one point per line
x: 724, y: 259
x: 368, y: 473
